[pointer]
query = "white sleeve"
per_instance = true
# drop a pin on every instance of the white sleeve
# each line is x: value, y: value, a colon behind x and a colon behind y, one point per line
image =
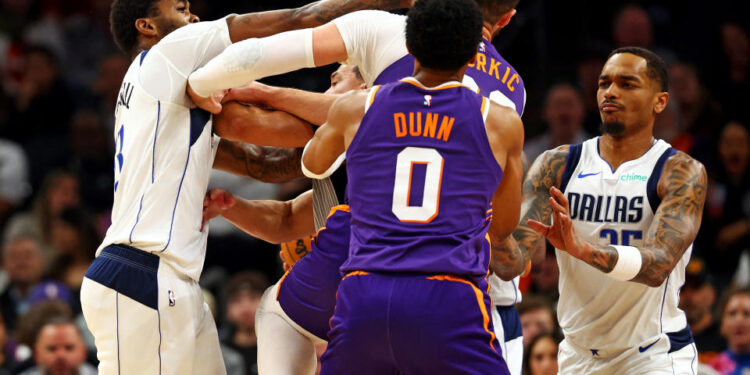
x: 374, y: 40
x: 167, y: 65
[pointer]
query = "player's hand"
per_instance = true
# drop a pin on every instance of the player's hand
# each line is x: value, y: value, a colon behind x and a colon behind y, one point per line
x: 215, y: 203
x: 211, y: 104
x: 252, y: 93
x: 561, y: 234
x: 284, y: 264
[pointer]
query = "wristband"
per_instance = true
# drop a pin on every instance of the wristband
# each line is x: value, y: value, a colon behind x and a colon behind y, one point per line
x: 628, y: 264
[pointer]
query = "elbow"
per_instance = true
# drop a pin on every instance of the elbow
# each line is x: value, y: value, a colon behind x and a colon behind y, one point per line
x: 656, y: 281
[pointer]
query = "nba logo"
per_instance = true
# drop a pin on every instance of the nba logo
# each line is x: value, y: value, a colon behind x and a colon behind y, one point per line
x: 428, y: 100
x: 171, y: 297
x: 481, y: 47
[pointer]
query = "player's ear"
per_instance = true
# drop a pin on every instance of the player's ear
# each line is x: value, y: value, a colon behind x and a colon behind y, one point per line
x: 362, y: 86
x: 660, y: 102
x: 146, y: 27
x: 505, y: 19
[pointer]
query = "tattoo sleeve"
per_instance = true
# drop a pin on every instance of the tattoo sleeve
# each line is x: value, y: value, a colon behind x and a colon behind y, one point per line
x: 267, y: 164
x: 682, y: 189
x: 508, y: 259
x: 545, y: 173
x: 325, y: 11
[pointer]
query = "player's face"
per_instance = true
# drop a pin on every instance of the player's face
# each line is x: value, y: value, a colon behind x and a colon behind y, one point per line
x: 628, y: 98
x: 344, y: 79
x: 59, y: 350
x: 735, y: 325
x: 543, y: 357
x: 173, y: 14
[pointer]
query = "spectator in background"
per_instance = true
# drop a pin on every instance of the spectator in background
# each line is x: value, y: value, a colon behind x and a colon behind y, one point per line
x: 233, y: 361
x: 697, y: 299
x: 564, y: 112
x: 24, y: 266
x: 537, y: 318
x: 633, y: 27
x: 91, y: 159
x: 29, y: 325
x: 7, y: 360
x: 74, y: 240
x: 725, y: 231
x: 588, y: 70
x: 545, y: 275
x: 59, y: 350
x: 735, y: 326
x: 243, y: 297
x: 39, y: 117
x: 731, y: 77
x: 700, y: 114
x: 14, y: 179
x: 541, y: 356
x: 59, y: 191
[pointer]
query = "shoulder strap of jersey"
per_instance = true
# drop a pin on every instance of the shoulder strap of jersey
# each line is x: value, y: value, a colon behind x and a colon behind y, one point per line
x: 574, y: 155
x: 653, y: 180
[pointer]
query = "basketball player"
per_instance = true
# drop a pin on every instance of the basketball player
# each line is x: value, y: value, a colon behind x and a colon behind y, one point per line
x: 140, y: 296
x: 374, y: 41
x: 418, y: 251
x: 625, y: 209
x: 294, y: 313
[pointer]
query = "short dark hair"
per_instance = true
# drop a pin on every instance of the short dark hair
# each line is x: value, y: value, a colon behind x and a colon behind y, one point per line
x: 492, y: 10
x: 122, y: 17
x: 357, y: 73
x: 444, y: 34
x: 656, y: 68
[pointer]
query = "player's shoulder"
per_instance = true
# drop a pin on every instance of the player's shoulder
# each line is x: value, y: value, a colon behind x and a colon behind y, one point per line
x: 681, y: 170
x: 371, y: 17
x: 350, y: 106
x: 503, y: 119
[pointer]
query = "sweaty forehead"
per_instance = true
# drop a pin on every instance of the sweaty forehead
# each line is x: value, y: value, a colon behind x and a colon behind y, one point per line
x: 626, y: 64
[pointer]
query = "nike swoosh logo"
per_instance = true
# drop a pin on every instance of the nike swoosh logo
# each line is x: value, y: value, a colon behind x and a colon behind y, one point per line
x: 584, y: 175
x: 647, y: 347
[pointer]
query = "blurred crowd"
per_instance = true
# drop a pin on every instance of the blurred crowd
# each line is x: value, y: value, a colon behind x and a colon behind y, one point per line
x: 60, y: 75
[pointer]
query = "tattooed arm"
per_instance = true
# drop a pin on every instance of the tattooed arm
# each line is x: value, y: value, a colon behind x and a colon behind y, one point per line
x: 267, y: 164
x: 682, y: 188
x: 262, y: 24
x: 518, y: 251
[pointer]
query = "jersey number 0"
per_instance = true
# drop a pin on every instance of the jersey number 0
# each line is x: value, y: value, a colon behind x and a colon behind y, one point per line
x: 405, y: 162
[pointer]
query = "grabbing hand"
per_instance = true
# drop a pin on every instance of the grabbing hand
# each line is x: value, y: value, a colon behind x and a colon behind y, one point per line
x: 561, y: 234
x: 215, y: 203
x: 211, y: 104
x: 252, y: 93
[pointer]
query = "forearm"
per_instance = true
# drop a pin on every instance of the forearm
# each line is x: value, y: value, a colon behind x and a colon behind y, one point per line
x: 250, y: 124
x: 273, y: 221
x: 656, y: 264
x: 267, y: 164
x: 309, y: 106
x: 508, y: 258
x: 258, y: 25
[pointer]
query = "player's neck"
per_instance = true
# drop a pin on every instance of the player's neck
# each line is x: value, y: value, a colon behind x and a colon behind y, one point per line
x: 487, y: 32
x: 617, y: 150
x: 432, y: 78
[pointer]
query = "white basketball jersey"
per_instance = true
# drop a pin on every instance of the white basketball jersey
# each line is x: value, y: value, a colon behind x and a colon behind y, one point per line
x: 614, y: 207
x: 165, y: 150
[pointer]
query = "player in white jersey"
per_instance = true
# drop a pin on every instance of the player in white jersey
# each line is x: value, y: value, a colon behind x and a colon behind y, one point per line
x: 625, y: 209
x: 140, y: 296
x: 374, y: 41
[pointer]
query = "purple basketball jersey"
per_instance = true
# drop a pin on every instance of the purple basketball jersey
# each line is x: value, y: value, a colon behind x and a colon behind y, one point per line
x: 493, y: 76
x: 421, y: 180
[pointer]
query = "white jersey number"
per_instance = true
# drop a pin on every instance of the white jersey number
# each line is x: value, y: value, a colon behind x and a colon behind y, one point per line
x: 403, y: 184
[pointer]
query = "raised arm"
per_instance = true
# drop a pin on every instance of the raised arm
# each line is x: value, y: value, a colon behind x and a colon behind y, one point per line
x: 324, y: 152
x: 269, y: 220
x: 309, y: 106
x: 267, y: 164
x: 262, y: 24
x: 505, y: 133
x: 682, y: 188
x: 545, y: 173
x: 250, y: 124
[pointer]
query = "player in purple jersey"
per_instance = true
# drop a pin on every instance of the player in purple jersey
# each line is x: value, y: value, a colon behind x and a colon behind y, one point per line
x: 420, y: 194
x: 294, y: 313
